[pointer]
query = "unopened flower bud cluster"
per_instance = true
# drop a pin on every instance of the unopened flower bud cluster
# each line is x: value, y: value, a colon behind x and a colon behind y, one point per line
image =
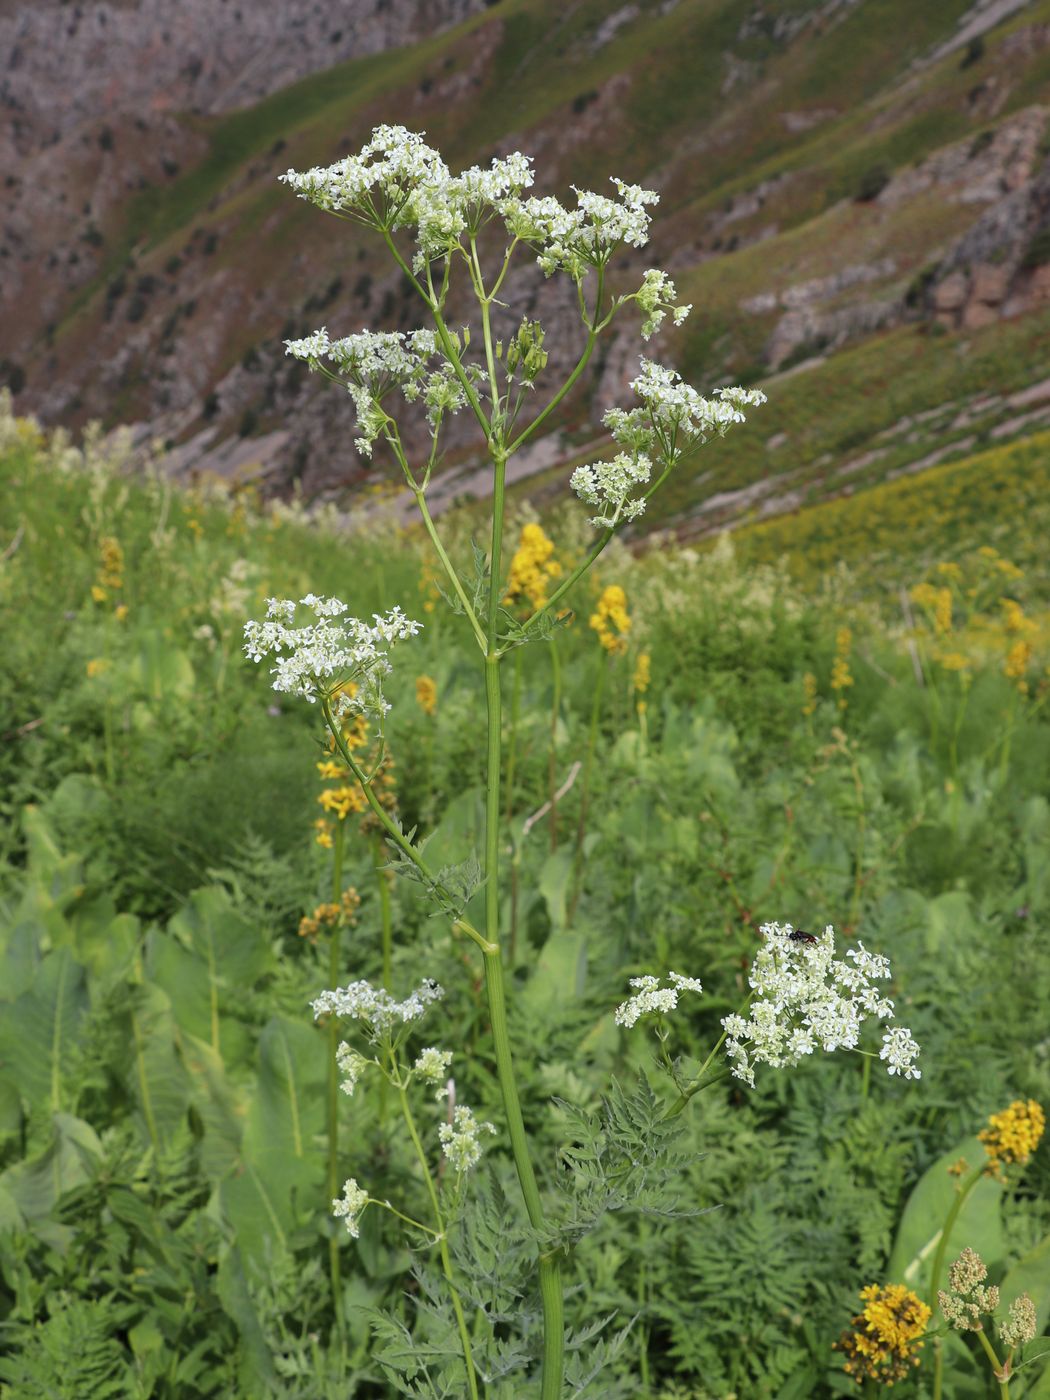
x: 967, y: 1298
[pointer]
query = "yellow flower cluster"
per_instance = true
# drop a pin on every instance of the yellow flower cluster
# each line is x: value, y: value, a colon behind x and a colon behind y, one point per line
x: 96, y: 666
x: 937, y: 602
x: 429, y: 585
x: 326, y: 915
x: 884, y: 1338
x: 110, y: 577
x: 1002, y: 492
x: 841, y: 677
x: 427, y: 694
x: 640, y: 681
x: 1012, y: 1135
x: 532, y: 568
x: 809, y: 693
x: 610, y: 620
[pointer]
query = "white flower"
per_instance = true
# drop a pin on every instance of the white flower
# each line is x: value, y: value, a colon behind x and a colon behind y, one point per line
x: 375, y: 1006
x: 572, y: 240
x: 656, y: 296
x: 650, y: 996
x: 374, y: 186
x: 806, y: 998
x: 609, y: 484
x: 315, y: 659
x: 351, y: 1067
x: 432, y: 1065
x: 350, y: 1206
x: 461, y: 1139
x: 899, y: 1051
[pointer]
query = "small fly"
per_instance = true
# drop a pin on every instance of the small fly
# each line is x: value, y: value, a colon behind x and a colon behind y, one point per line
x: 799, y: 935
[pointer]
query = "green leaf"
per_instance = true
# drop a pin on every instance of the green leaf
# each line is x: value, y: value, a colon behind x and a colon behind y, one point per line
x: 208, y: 955
x: 35, y: 1185
x: 160, y: 669
x: 278, y: 1181
x: 38, y: 1034
x: 155, y: 1077
x: 256, y: 1369
x: 978, y: 1224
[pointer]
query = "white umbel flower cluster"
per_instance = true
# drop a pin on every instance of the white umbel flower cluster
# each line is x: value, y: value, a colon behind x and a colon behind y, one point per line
x: 316, y: 659
x: 375, y: 185
x: 432, y: 1067
x: 374, y: 363
x: 609, y: 485
x: 650, y: 996
x: 806, y: 999
x: 674, y: 419
x: 657, y: 296
x: 461, y: 1139
x: 351, y: 1067
x: 375, y: 1007
x: 572, y: 240
x: 350, y: 1205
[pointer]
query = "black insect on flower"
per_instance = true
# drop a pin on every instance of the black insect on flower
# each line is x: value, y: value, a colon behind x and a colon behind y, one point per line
x: 799, y: 935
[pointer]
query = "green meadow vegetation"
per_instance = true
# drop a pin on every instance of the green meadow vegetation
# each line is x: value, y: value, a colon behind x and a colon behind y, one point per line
x: 838, y: 717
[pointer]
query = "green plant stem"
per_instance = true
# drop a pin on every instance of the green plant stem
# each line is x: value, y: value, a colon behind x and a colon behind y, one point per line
x: 552, y: 757
x: 332, y: 1124
x: 997, y: 1365
x: 585, y: 786
x: 549, y: 1266
x: 442, y: 1240
x: 935, y: 1273
x: 387, y: 943
x: 512, y: 740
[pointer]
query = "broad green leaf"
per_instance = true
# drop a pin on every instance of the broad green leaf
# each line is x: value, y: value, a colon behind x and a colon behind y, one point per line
x: 160, y: 669
x: 11, y: 1115
x: 977, y: 1225
x: 35, y: 1185
x: 554, y: 879
x: 154, y: 1075
x: 209, y: 954
x: 38, y: 1033
x: 278, y: 1181
x: 255, y: 1369
x: 217, y: 1106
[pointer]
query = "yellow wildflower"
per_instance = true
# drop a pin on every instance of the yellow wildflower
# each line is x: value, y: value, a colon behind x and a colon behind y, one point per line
x: 429, y: 586
x: 329, y: 769
x: 642, y: 673
x: 885, y: 1337
x: 1012, y: 1135
x: 1018, y: 660
x: 1015, y: 620
x: 987, y: 552
x: 98, y: 593
x: 111, y: 574
x: 841, y: 677
x: 936, y: 601
x: 532, y: 567
x: 327, y: 915
x: 194, y: 525
x: 610, y: 620
x: 120, y: 612
x: 342, y: 801
x: 953, y: 661
x: 949, y: 570
x: 324, y: 833
x: 959, y: 1167
x: 426, y: 694
x: 809, y: 691
x: 97, y: 666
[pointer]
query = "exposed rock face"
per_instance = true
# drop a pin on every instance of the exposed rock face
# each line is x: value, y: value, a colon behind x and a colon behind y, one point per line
x: 1001, y: 265
x: 67, y: 63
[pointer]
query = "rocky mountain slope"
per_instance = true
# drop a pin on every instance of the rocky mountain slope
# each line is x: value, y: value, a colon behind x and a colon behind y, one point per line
x: 847, y: 185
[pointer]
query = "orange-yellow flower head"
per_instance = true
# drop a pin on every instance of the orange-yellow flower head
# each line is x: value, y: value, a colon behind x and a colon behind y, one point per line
x: 1012, y: 1135
x: 427, y: 694
x: 610, y: 620
x: 883, y: 1340
x: 532, y: 567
